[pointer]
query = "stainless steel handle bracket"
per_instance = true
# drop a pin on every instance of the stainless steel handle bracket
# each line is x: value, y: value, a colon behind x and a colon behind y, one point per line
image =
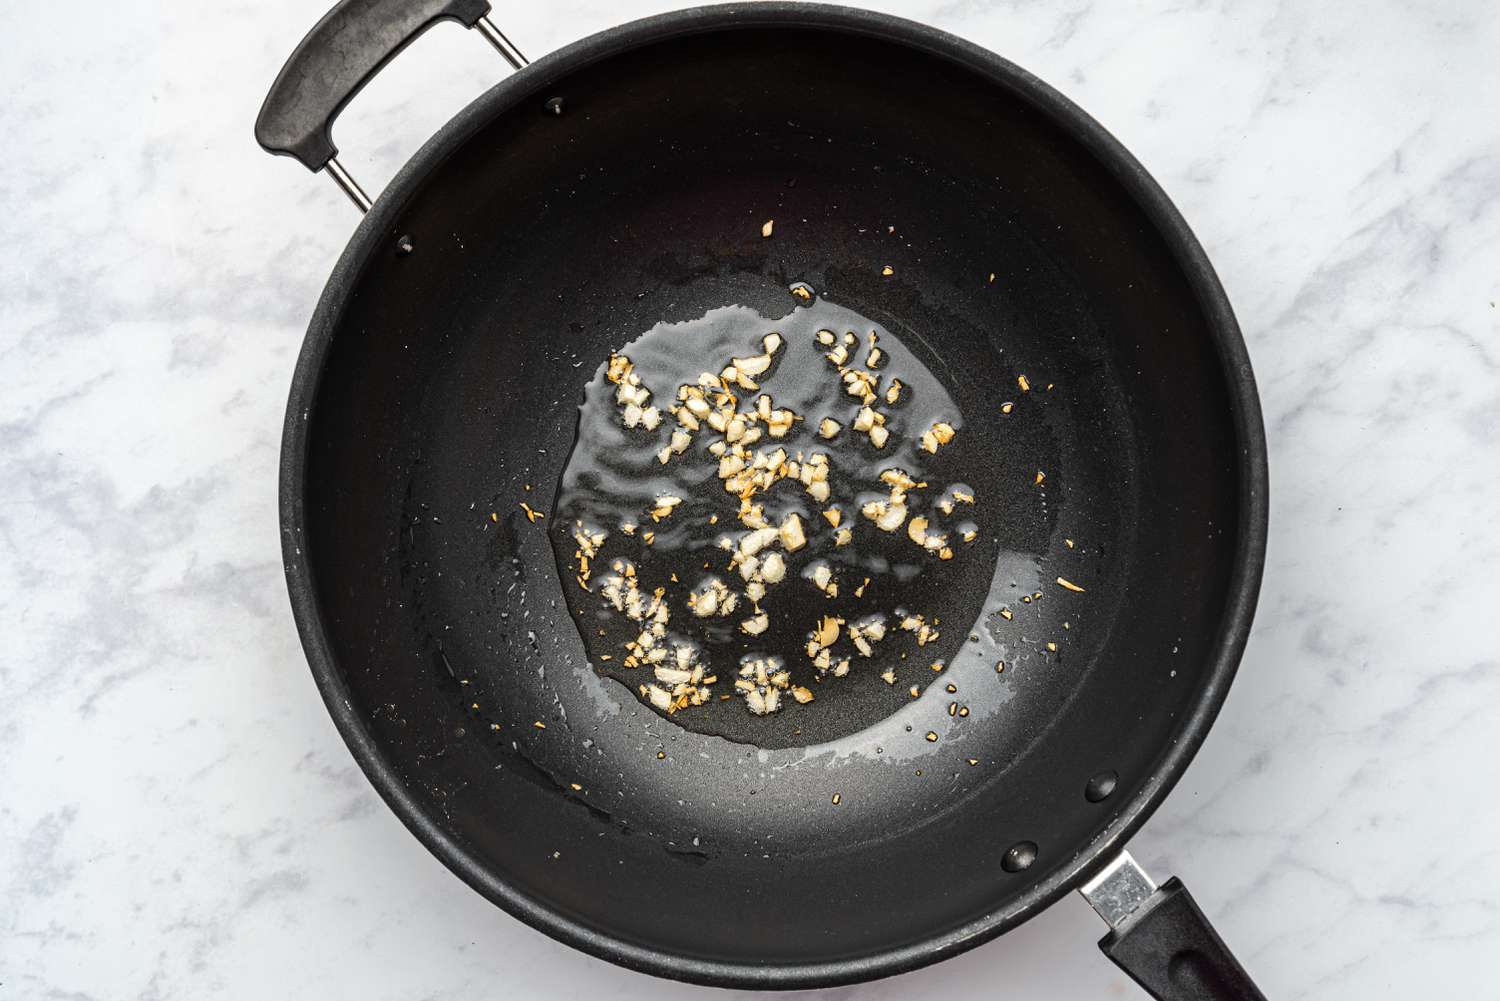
x: 503, y: 45
x: 1120, y: 888
x: 349, y: 186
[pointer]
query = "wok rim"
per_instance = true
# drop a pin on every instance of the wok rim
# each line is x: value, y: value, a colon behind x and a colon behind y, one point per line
x: 924, y: 948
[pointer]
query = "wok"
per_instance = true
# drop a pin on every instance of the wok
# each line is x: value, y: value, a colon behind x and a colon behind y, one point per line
x: 620, y: 184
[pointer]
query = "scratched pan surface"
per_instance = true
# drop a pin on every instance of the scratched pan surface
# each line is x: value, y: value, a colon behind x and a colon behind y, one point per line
x: 437, y: 384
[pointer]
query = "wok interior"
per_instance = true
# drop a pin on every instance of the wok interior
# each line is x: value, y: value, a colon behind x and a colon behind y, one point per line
x: 452, y: 381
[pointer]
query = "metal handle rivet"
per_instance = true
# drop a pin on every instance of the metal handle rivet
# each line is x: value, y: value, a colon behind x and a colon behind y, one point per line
x: 1019, y: 856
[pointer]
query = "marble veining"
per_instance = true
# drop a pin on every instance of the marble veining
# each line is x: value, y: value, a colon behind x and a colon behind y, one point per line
x: 178, y: 816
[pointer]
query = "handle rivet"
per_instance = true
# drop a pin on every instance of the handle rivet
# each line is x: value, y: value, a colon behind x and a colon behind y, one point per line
x: 404, y: 246
x: 1101, y: 786
x: 1019, y: 856
x: 554, y: 105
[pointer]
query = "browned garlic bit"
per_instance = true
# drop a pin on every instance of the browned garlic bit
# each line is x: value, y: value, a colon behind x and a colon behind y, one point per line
x: 829, y: 428
x: 916, y: 530
x: 632, y: 397
x: 761, y: 682
x: 768, y: 228
x: 889, y: 515
x: 589, y: 541
x: 712, y: 598
x: 956, y: 494
x: 681, y: 682
x: 819, y: 646
x: 741, y: 371
x: 821, y: 576
x: 862, y: 385
x: 679, y: 443
x: 792, y: 535
x: 941, y: 434
x: 918, y: 624
x: 665, y: 505
x: 866, y: 632
x: 813, y: 474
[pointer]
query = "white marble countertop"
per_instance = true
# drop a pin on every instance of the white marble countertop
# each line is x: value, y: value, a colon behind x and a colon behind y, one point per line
x: 180, y: 820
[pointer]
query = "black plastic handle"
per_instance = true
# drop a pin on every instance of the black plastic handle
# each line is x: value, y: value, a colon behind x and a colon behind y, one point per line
x: 341, y: 54
x: 1168, y: 947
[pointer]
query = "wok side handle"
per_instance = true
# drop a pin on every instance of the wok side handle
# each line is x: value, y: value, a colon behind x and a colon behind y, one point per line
x: 341, y: 54
x: 1162, y: 940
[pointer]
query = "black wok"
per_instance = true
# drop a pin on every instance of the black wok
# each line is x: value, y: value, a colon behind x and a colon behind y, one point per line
x: 622, y: 182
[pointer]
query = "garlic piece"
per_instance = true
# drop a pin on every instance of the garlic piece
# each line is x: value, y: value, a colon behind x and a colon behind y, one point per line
x: 916, y: 530
x: 758, y: 540
x: 941, y: 434
x: 792, y: 535
x: 665, y: 504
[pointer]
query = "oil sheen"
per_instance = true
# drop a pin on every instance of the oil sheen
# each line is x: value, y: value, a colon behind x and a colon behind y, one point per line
x: 614, y: 477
